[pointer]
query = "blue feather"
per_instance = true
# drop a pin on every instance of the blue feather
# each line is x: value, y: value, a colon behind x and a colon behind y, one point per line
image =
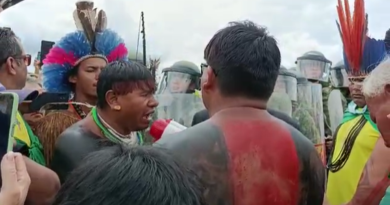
x: 373, y: 53
x: 55, y: 76
x: 347, y: 67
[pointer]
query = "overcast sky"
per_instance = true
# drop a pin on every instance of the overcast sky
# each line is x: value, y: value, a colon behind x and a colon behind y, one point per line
x: 180, y: 29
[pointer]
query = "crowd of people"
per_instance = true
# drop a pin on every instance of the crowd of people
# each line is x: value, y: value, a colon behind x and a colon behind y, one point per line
x: 257, y: 133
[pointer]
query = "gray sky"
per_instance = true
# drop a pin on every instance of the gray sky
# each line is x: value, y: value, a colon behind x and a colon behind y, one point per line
x: 179, y: 30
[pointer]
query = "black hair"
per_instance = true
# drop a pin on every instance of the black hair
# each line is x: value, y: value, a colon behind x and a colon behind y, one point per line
x: 245, y: 60
x: 71, y: 73
x: 122, y: 77
x: 9, y: 44
x: 141, y: 175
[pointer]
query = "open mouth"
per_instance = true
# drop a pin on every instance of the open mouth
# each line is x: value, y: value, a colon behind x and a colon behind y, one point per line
x: 148, y: 116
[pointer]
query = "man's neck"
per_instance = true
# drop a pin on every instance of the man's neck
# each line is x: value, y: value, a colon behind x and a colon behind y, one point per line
x: 237, y: 103
x: 8, y: 84
x: 81, y: 98
x: 110, y: 119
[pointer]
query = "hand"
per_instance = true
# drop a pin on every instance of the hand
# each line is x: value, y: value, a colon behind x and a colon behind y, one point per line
x: 37, y: 64
x: 16, y: 180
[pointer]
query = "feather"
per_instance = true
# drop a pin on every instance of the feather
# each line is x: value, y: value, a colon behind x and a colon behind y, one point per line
x: 77, y: 21
x: 353, y: 30
x: 101, y: 21
x: 87, y: 16
x: 373, y: 53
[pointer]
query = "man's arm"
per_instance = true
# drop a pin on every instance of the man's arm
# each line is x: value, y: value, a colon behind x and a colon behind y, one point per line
x: 71, y: 148
x: 374, y: 180
x: 44, y: 184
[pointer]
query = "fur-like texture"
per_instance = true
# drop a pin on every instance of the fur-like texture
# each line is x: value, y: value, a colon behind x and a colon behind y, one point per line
x: 65, y: 53
x: 49, y: 127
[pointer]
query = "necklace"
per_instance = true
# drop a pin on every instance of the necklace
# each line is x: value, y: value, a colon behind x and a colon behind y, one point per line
x: 77, y: 108
x: 112, y: 134
x: 79, y: 111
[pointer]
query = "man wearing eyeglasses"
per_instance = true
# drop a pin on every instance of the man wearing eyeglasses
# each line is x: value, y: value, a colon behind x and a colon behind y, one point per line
x: 13, y: 75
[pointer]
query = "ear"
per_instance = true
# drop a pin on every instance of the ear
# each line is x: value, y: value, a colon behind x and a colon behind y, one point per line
x: 11, y: 66
x: 73, y: 79
x: 387, y: 89
x: 112, y: 99
x: 208, y: 79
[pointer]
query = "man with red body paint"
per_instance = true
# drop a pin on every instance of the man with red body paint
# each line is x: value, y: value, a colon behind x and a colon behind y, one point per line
x: 242, y: 154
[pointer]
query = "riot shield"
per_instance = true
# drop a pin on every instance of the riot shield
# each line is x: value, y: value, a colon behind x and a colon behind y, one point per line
x: 309, y: 114
x: 335, y: 109
x: 281, y: 102
x: 287, y: 83
x: 179, y: 107
x: 284, y: 96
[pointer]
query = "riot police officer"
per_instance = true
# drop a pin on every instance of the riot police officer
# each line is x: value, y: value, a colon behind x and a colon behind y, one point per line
x: 284, y: 96
x: 177, y: 93
x: 181, y: 77
x: 314, y: 66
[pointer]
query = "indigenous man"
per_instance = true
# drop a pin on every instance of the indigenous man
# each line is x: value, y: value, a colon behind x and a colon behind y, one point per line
x: 376, y: 89
x: 125, y: 105
x: 233, y: 152
x: 355, y: 139
x: 73, y: 66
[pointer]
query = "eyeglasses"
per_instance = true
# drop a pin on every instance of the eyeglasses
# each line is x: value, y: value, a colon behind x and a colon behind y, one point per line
x: 203, y: 67
x: 26, y: 59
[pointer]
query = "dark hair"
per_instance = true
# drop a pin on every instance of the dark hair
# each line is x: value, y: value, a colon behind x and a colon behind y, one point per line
x: 71, y: 73
x: 10, y: 47
x: 121, y: 175
x: 245, y: 59
x: 123, y: 77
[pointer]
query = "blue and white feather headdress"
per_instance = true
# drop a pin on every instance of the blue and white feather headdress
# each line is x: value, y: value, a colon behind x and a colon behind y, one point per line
x: 92, y: 39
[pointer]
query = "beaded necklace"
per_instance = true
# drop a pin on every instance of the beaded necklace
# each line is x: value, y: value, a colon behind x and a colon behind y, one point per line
x: 111, y: 133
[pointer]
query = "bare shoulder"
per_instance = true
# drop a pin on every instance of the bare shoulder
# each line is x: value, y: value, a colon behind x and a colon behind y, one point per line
x: 74, y: 132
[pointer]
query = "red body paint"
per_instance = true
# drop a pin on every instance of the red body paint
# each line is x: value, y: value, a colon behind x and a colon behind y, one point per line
x: 264, y: 166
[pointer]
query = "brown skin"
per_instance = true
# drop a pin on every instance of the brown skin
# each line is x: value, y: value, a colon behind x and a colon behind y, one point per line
x: 139, y: 104
x: 355, y: 89
x: 219, y: 102
x: 86, y: 79
x: 13, y: 75
x: 44, y: 184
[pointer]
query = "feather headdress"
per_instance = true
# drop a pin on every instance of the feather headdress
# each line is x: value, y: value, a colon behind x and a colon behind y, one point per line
x: 361, y: 53
x: 92, y: 39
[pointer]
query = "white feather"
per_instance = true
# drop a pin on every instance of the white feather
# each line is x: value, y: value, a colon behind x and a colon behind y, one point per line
x: 77, y: 21
x: 93, y: 19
